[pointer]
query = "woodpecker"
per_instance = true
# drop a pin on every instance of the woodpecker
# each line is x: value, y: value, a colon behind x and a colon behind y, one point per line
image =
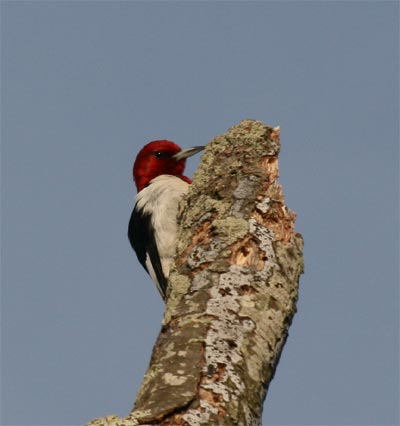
x: 152, y: 231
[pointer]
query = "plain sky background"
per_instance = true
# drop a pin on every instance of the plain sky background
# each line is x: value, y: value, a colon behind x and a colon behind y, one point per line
x: 85, y: 84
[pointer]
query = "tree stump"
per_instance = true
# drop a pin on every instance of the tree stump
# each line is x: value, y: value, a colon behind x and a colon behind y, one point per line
x: 233, y: 290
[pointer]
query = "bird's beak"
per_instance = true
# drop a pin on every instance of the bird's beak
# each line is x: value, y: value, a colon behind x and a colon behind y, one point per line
x: 187, y: 153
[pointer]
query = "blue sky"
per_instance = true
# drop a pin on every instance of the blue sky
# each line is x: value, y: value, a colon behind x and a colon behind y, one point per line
x: 85, y: 84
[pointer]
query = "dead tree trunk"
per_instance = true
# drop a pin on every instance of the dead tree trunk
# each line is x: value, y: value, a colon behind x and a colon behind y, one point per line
x: 233, y: 290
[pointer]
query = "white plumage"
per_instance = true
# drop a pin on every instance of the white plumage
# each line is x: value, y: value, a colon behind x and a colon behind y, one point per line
x: 160, y: 199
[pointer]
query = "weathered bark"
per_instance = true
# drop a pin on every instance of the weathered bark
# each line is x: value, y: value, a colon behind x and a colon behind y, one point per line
x: 233, y: 290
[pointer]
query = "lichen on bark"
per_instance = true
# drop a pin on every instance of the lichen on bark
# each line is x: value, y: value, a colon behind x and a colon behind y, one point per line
x: 233, y: 289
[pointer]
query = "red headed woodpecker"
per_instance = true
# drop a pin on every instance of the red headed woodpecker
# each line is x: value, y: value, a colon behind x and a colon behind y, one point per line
x: 152, y: 232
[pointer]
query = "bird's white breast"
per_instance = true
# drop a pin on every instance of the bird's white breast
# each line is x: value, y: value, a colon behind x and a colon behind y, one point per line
x: 160, y: 199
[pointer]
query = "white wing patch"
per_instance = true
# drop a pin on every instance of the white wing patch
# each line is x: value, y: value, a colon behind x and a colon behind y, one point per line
x: 161, y: 199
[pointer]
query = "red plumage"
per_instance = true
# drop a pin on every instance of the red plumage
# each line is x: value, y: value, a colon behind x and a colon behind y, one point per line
x: 157, y: 158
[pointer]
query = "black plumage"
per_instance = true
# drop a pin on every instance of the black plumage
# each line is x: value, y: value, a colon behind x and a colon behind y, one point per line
x: 142, y: 238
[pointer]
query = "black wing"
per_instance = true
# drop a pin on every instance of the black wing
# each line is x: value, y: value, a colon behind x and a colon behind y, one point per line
x: 142, y: 239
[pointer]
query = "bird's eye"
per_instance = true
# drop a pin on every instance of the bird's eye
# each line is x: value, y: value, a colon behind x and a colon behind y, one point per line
x: 160, y: 154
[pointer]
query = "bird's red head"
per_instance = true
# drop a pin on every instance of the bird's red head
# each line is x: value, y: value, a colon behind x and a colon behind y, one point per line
x: 161, y: 157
